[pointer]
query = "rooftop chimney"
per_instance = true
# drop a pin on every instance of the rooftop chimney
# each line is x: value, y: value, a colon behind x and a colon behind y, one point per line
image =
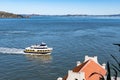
x: 78, y: 63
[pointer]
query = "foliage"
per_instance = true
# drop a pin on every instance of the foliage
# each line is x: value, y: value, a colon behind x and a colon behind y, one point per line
x: 110, y: 66
x: 108, y: 71
x: 114, y: 67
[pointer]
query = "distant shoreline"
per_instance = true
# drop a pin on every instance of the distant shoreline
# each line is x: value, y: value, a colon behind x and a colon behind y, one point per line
x: 117, y: 15
x: 12, y: 15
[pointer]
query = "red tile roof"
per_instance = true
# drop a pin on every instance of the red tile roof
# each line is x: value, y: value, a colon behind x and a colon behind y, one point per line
x: 84, y: 66
x: 78, y: 68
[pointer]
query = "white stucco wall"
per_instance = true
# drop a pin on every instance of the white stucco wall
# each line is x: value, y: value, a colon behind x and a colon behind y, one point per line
x: 75, y: 75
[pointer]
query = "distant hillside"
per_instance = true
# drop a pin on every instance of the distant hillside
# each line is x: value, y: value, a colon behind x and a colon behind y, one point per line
x: 85, y: 15
x: 10, y: 15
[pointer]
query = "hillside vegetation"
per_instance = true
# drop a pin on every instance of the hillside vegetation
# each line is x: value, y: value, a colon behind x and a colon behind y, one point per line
x: 9, y: 15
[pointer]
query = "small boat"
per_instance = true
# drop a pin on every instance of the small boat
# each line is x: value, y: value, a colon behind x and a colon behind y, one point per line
x: 41, y: 49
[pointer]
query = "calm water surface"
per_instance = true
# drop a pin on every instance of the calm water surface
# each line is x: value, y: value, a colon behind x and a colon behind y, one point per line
x: 71, y: 37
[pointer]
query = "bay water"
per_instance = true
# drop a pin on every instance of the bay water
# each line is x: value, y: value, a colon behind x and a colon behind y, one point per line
x: 70, y: 37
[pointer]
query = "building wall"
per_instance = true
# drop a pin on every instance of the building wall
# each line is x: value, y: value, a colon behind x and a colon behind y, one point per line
x: 75, y: 75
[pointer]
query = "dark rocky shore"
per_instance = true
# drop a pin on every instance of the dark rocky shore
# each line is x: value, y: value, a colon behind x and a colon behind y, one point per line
x: 10, y: 15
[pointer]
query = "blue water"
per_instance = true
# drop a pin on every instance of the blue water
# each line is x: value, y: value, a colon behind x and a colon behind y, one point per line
x: 71, y: 37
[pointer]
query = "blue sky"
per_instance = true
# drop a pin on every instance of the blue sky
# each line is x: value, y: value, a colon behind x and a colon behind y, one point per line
x: 60, y: 7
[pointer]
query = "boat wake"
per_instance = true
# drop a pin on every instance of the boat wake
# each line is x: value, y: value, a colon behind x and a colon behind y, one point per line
x: 4, y: 50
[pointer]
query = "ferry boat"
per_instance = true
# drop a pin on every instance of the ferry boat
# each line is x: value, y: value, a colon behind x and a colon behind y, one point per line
x: 41, y: 49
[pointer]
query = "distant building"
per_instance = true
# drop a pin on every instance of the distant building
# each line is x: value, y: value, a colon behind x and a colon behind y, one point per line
x: 84, y: 71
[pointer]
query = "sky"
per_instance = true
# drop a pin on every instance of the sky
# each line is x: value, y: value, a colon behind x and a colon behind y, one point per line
x: 61, y: 7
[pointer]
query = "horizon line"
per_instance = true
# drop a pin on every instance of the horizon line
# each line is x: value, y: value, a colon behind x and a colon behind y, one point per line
x: 79, y: 14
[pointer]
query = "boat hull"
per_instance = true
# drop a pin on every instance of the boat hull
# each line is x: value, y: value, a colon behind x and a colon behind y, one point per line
x: 38, y: 52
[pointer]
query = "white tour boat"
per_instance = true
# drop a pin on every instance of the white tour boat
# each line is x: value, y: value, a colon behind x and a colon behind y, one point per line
x: 41, y: 49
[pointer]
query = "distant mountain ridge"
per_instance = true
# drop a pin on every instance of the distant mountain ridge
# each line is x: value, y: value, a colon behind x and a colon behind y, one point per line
x: 4, y: 14
x: 10, y: 15
x: 85, y: 15
x: 82, y: 15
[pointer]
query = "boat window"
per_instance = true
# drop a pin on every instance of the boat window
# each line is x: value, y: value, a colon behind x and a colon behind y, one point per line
x: 42, y: 44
